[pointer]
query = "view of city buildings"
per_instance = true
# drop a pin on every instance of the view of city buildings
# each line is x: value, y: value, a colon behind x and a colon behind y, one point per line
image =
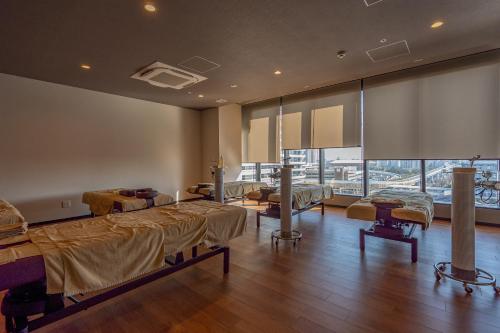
x: 343, y: 170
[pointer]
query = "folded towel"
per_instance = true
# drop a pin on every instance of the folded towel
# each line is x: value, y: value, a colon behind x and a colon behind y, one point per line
x: 12, y: 223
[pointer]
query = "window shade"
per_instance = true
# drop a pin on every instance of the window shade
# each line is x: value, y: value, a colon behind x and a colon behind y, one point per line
x: 291, y: 137
x: 260, y: 137
x: 320, y: 125
x: 442, y: 111
x: 327, y: 127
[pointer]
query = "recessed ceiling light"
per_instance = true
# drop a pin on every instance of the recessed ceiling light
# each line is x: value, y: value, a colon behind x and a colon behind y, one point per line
x: 341, y: 54
x: 150, y: 7
x: 221, y: 100
x: 277, y: 72
x: 201, y: 96
x: 437, y: 24
x: 85, y: 67
x: 190, y: 92
x: 383, y: 40
x: 418, y: 60
x: 234, y: 86
x: 307, y: 86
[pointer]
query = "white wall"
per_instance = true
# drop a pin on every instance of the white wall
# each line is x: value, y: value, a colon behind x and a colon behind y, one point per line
x: 209, y: 142
x: 221, y: 135
x: 58, y: 141
x: 230, y: 140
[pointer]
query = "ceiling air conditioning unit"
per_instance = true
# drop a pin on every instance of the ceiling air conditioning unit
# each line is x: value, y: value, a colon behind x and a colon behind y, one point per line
x: 165, y: 76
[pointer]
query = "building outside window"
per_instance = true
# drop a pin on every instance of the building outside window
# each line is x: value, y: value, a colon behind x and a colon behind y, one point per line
x: 438, y: 177
x: 248, y: 172
x: 394, y: 174
x: 343, y: 170
x: 305, y: 165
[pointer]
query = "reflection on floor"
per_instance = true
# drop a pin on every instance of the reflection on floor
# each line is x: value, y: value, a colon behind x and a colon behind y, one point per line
x: 323, y: 285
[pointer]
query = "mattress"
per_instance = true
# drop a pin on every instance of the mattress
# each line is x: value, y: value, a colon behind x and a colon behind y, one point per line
x: 102, y: 202
x: 305, y: 194
x: 418, y: 207
x: 234, y: 189
x: 91, y: 254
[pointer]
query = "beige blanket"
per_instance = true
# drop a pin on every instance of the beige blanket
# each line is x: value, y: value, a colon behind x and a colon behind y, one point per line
x: 12, y: 223
x: 418, y: 206
x: 234, y: 189
x: 92, y: 254
x: 102, y: 202
x: 305, y: 194
x: 224, y: 222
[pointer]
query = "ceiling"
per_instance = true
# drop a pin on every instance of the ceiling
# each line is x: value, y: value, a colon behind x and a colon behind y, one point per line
x: 250, y: 39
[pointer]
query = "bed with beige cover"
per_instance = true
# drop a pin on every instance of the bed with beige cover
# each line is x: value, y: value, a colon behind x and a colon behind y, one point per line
x: 417, y: 207
x: 395, y: 215
x: 235, y: 189
x: 91, y: 254
x: 303, y: 195
x: 105, y: 201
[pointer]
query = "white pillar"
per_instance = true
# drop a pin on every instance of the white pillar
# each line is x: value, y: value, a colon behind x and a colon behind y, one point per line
x: 463, y: 247
x: 219, y: 185
x: 286, y: 201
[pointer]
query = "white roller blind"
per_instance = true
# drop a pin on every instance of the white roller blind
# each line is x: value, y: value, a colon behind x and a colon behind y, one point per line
x: 345, y: 96
x: 327, y: 127
x: 444, y: 111
x: 258, y: 139
x: 291, y: 137
x: 259, y: 132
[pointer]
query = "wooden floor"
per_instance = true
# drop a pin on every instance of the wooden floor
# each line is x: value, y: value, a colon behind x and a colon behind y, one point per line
x: 323, y: 285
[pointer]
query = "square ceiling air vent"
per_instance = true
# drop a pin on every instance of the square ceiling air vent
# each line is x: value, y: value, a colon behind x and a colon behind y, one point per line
x: 199, y: 64
x: 369, y: 3
x: 389, y: 51
x: 166, y: 76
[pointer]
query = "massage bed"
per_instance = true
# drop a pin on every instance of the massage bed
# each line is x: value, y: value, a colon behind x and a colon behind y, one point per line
x: 304, y: 197
x: 236, y: 189
x: 122, y: 200
x: 111, y: 254
x: 396, y: 214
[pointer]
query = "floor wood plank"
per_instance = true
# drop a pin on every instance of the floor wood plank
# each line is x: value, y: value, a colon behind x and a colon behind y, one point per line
x: 324, y: 284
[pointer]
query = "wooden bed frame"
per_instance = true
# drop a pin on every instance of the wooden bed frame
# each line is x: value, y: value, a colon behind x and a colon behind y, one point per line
x: 28, y: 297
x: 274, y: 210
x: 388, y: 227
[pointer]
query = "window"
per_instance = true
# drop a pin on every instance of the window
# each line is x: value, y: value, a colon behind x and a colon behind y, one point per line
x: 394, y: 174
x: 305, y: 165
x: 266, y: 170
x: 438, y: 177
x: 248, y: 172
x: 343, y: 170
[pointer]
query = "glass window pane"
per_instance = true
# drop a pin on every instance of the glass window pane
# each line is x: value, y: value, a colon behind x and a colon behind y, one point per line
x: 438, y: 176
x: 305, y: 165
x: 344, y: 170
x: 248, y: 172
x: 394, y: 174
x: 266, y: 172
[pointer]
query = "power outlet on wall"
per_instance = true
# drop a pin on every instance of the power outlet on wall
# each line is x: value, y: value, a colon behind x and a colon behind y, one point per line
x: 66, y: 203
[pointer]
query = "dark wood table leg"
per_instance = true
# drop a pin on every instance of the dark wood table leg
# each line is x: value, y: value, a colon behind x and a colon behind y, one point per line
x: 258, y: 219
x: 226, y: 260
x: 362, y: 239
x: 179, y: 258
x: 414, y: 250
x: 322, y: 208
x: 194, y: 251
